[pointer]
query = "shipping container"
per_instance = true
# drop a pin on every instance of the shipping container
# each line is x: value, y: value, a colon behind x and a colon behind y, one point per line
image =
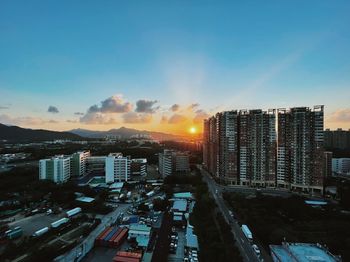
x: 125, y: 259
x: 115, y: 236
x: 99, y: 240
x: 41, y: 232
x: 129, y: 254
x: 109, y: 235
x: 59, y: 222
x: 120, y: 238
x: 15, y: 233
x: 73, y: 212
x: 247, y: 232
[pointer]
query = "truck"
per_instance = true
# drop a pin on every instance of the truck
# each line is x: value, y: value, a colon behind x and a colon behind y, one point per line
x: 40, y: 232
x: 59, y: 222
x: 14, y: 233
x: 150, y: 193
x: 247, y: 232
x: 73, y: 212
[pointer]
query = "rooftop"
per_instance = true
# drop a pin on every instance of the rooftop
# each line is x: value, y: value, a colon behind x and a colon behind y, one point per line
x: 180, y: 205
x: 315, y: 202
x: 191, y: 238
x: 302, y: 252
x: 85, y: 199
x: 186, y: 195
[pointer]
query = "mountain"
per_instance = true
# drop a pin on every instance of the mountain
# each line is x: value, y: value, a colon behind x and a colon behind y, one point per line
x: 15, y: 133
x: 125, y: 133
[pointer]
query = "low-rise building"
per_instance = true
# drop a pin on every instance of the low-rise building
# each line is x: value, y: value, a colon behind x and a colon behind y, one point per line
x: 141, y: 233
x: 341, y: 166
x: 300, y: 252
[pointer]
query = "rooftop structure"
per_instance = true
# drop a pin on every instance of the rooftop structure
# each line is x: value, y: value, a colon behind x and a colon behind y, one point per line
x: 183, y: 195
x: 179, y: 205
x: 85, y: 199
x: 301, y: 252
x: 191, y: 238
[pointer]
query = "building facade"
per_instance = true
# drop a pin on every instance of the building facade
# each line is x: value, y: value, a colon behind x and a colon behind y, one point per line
x: 282, y: 148
x: 117, y: 168
x: 138, y: 167
x: 78, y: 163
x: 56, y: 169
x: 341, y: 166
x: 170, y: 162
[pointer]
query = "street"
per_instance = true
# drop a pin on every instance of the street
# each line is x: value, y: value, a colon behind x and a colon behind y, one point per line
x: 243, y: 243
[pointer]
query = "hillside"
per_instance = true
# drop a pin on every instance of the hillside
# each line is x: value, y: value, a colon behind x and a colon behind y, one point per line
x: 15, y: 133
x: 125, y: 133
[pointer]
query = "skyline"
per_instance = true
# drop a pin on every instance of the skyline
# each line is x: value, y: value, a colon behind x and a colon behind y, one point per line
x: 166, y: 67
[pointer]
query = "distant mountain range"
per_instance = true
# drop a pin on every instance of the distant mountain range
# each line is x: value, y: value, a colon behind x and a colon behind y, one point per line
x: 15, y: 133
x: 125, y: 133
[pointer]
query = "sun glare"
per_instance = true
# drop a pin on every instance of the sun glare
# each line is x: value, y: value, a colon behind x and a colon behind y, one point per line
x: 193, y: 130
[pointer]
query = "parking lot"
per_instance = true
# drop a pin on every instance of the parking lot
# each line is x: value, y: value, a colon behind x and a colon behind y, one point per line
x: 33, y: 223
x: 179, y: 254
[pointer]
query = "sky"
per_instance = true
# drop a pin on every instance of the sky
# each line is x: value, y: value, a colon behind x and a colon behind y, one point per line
x: 167, y: 65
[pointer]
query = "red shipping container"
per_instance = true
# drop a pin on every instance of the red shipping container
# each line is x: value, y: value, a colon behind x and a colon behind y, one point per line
x: 117, y: 241
x: 110, y: 242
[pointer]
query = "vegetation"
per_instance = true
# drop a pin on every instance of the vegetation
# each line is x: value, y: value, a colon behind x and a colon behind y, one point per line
x: 215, y: 238
x: 273, y: 220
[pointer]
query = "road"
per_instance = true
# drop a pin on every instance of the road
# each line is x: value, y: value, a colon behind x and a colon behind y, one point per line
x: 243, y: 243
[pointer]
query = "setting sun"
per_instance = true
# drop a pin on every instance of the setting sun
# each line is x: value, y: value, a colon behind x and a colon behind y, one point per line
x: 193, y: 130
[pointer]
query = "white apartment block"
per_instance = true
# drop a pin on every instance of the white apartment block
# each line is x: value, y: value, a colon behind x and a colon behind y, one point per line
x: 56, y: 169
x: 117, y: 168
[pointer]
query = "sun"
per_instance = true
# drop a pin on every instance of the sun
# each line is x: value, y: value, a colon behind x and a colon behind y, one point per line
x: 193, y: 130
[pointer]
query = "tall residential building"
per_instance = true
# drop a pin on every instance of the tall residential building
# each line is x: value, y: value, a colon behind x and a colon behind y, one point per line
x: 117, y: 168
x: 227, y: 150
x: 56, y: 169
x: 257, y: 143
x: 78, y: 163
x: 282, y: 148
x: 300, y: 149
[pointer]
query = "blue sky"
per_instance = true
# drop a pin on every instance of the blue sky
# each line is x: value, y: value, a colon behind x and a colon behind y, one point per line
x: 218, y: 54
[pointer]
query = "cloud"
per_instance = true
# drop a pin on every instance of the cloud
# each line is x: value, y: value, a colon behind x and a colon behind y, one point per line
x: 164, y: 120
x: 52, y: 109
x: 4, y: 107
x: 71, y: 121
x: 135, y: 118
x: 193, y: 106
x: 146, y: 106
x: 340, y: 115
x: 78, y: 113
x: 200, y: 116
x: 97, y: 119
x: 23, y: 121
x: 113, y: 104
x: 175, y: 107
x: 177, y: 118
x: 51, y: 121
